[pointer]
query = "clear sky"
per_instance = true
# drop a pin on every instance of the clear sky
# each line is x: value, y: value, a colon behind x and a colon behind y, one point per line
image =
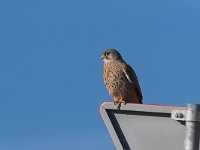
x: 51, y: 82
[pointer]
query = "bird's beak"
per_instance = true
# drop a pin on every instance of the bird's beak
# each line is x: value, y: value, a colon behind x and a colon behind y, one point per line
x: 102, y: 56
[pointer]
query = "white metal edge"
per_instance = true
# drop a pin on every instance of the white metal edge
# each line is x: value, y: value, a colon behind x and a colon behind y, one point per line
x: 142, y: 107
x: 110, y: 128
x: 131, y: 107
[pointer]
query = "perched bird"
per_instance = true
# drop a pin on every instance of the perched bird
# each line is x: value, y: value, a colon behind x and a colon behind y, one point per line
x: 120, y: 79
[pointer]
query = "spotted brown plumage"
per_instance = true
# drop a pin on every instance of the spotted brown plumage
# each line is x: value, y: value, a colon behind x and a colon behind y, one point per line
x: 120, y: 79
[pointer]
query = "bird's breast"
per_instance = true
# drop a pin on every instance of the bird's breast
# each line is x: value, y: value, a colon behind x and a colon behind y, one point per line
x: 115, y: 79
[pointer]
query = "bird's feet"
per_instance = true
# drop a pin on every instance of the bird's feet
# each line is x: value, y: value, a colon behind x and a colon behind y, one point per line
x: 119, y: 103
x: 115, y: 103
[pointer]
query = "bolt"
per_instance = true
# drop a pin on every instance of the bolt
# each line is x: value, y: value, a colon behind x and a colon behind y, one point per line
x: 179, y: 115
x: 176, y: 115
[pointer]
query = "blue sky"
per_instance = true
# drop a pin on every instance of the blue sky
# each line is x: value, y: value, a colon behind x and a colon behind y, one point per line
x: 51, y: 83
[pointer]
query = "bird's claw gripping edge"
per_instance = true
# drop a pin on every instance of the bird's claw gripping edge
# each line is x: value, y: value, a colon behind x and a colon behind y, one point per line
x: 119, y: 104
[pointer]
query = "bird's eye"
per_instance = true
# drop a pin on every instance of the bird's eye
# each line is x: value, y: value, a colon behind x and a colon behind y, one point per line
x: 107, y: 53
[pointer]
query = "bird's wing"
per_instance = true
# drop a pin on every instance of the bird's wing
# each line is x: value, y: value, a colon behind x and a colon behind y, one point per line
x: 132, y: 78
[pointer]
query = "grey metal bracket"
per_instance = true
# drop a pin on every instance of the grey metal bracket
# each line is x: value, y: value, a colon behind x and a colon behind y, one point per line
x: 191, y: 116
x: 178, y: 115
x: 152, y: 127
x: 143, y: 126
x: 185, y: 115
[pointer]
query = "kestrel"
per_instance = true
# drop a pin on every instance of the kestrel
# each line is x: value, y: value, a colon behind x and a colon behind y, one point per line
x: 120, y: 79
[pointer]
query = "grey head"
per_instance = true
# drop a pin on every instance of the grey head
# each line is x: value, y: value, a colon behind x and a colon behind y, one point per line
x: 111, y: 55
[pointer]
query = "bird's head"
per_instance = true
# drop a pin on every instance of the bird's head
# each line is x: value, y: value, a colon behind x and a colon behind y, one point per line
x: 111, y: 55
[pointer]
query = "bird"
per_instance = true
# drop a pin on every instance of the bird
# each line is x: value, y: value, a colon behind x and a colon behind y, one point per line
x: 120, y: 79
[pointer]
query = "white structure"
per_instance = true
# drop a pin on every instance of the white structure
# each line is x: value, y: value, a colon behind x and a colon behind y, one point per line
x: 152, y: 127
